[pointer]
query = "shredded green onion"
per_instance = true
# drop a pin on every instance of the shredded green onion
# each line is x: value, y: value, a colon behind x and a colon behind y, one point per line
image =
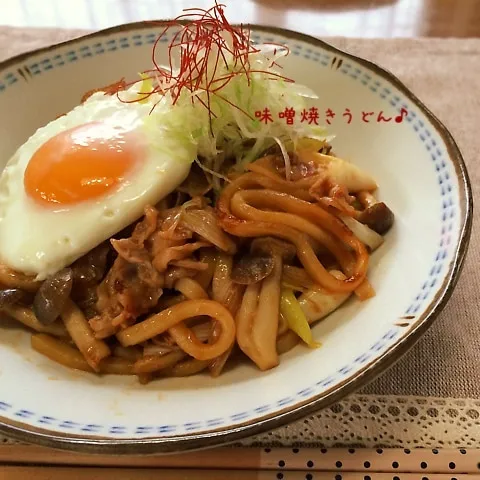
x: 230, y: 120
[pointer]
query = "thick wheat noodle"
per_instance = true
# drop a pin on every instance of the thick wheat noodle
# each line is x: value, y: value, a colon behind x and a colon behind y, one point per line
x: 26, y: 316
x: 153, y: 363
x: 167, y: 302
x: 249, y: 180
x: 257, y: 203
x: 241, y: 205
x: 190, y: 288
x: 270, y: 179
x: 265, y: 166
x: 12, y: 279
x: 93, y: 349
x: 299, y: 208
x: 305, y: 252
x: 68, y: 356
x: 183, y: 336
x: 246, y: 227
x: 264, y: 177
x: 187, y: 368
x: 294, y: 220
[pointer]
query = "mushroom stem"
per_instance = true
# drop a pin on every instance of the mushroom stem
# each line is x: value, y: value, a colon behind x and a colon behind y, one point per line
x: 266, y: 318
x: 257, y: 319
x: 245, y: 321
x: 229, y: 294
x: 366, y: 199
x: 376, y: 215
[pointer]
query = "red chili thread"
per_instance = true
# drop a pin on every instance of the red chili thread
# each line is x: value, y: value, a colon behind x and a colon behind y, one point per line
x: 200, y: 31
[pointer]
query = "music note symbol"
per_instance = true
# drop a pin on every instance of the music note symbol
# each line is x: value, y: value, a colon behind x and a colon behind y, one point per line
x: 403, y: 113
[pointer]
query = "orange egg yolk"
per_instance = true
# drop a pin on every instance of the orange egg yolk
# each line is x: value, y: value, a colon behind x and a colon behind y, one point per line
x: 81, y: 164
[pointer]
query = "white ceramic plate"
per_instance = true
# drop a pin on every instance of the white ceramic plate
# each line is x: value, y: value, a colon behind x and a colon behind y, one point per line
x: 422, y: 178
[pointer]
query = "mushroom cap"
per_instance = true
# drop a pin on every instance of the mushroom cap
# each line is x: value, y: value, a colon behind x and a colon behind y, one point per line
x: 252, y: 269
x: 378, y: 217
x: 52, y: 296
x: 273, y: 247
x: 13, y: 296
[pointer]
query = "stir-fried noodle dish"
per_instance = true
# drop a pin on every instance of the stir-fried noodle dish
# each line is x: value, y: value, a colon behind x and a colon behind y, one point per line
x: 176, y: 228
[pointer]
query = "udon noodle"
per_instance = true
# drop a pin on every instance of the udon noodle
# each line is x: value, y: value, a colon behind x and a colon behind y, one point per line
x: 207, y: 278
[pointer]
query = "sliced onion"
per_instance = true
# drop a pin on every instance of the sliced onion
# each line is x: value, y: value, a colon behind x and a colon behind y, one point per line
x: 204, y: 223
x: 158, y: 350
x: 298, y: 279
x: 202, y: 331
x: 128, y: 353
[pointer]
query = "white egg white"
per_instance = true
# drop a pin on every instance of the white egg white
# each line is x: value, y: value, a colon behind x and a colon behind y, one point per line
x: 40, y: 240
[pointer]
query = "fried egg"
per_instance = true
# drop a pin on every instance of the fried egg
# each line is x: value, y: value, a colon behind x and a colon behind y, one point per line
x: 84, y: 177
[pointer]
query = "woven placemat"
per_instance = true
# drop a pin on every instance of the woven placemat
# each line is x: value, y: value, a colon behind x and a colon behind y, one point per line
x: 431, y: 396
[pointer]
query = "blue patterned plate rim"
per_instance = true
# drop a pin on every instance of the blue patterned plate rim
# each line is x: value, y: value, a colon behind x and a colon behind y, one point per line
x: 197, y: 440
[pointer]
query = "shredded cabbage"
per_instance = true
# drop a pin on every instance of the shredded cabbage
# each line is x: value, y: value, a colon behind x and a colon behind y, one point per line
x: 296, y: 319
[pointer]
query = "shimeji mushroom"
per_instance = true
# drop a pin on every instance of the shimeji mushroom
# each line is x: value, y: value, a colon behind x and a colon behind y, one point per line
x: 363, y: 232
x: 52, y: 296
x: 376, y: 215
x: 375, y: 220
x: 257, y: 319
x: 13, y: 296
x: 252, y: 269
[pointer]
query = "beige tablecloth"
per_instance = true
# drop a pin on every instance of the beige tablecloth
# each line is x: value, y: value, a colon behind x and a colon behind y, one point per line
x: 431, y: 397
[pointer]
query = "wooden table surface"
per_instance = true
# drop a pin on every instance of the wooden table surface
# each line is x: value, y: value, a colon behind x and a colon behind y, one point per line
x: 352, y: 18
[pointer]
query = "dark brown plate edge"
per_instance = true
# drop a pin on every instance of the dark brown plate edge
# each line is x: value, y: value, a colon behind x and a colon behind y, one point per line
x: 222, y: 436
